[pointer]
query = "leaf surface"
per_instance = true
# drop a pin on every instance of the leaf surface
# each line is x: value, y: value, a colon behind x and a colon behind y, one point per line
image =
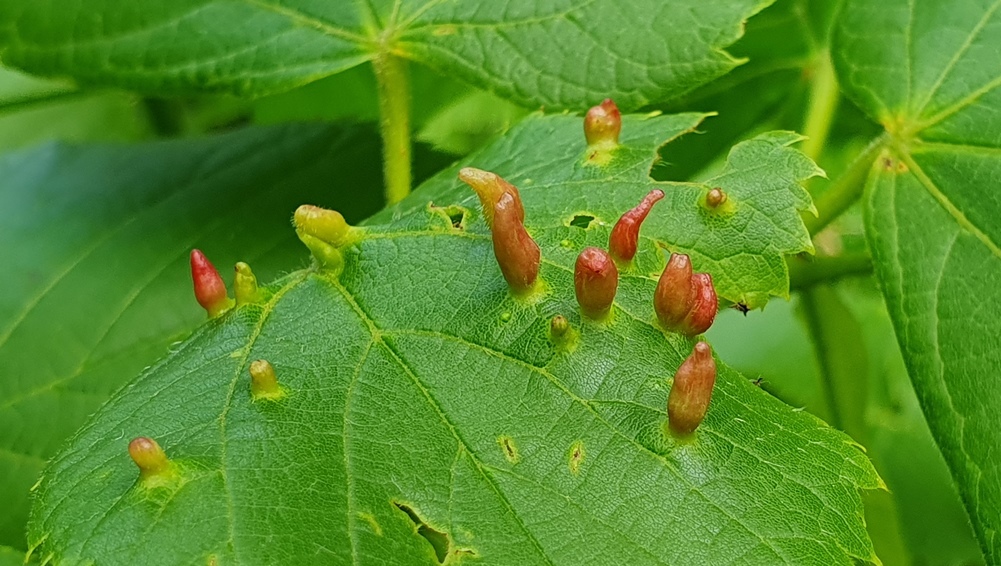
x: 422, y: 399
x: 928, y: 72
x: 743, y: 247
x: 96, y: 242
x: 556, y: 53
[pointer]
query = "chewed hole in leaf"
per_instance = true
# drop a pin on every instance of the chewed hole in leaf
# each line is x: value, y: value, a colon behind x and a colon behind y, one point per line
x: 439, y: 541
x: 582, y: 221
x: 456, y: 215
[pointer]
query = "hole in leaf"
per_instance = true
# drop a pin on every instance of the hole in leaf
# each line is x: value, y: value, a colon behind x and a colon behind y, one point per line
x: 581, y: 221
x: 457, y: 216
x: 439, y: 540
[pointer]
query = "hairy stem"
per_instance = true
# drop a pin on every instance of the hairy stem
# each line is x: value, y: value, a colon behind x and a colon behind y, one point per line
x: 394, y: 118
x: 805, y: 273
x: 845, y: 191
x: 824, y: 98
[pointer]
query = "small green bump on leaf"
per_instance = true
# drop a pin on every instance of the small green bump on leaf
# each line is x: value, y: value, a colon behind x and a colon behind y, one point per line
x: 509, y: 449
x: 625, y: 234
x: 566, y: 243
x: 691, y: 391
x: 245, y: 285
x: 576, y: 456
x: 210, y: 290
x: 155, y: 469
x: 264, y: 382
x: 490, y: 187
x: 596, y: 280
x: 505, y: 317
x: 562, y: 334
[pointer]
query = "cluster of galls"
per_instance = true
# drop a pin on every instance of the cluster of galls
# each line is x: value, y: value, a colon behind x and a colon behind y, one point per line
x: 684, y: 301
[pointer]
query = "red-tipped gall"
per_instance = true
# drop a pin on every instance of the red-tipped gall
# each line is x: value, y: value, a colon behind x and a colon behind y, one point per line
x: 692, y: 390
x: 245, y: 285
x: 626, y: 232
x: 685, y: 302
x: 490, y: 187
x: 210, y: 291
x: 148, y: 456
x: 595, y: 280
x: 517, y: 253
x: 264, y: 381
x: 602, y: 125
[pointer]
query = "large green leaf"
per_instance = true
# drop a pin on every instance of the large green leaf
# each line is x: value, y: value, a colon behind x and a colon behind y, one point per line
x: 928, y: 71
x: 743, y: 248
x: 95, y: 242
x: 557, y: 53
x: 424, y: 403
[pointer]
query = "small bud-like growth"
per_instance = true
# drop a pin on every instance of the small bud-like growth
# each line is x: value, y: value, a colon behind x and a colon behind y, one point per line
x: 595, y: 280
x: 324, y: 232
x: 626, y: 233
x: 325, y: 225
x: 685, y: 302
x: 691, y: 391
x: 517, y: 253
x: 602, y: 124
x: 490, y: 187
x: 264, y: 381
x: 245, y: 285
x: 210, y: 291
x: 148, y: 456
x: 558, y: 327
x: 715, y: 197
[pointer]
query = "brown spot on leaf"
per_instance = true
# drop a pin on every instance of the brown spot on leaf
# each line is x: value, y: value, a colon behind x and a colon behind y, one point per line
x: 509, y: 448
x: 576, y: 456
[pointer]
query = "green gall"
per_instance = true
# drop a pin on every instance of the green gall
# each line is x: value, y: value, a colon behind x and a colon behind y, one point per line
x: 264, y: 381
x: 328, y: 226
x: 245, y: 285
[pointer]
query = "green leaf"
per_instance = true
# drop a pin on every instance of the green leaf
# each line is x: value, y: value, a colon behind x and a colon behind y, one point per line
x: 743, y: 248
x: 96, y: 280
x: 574, y: 52
x: 427, y: 415
x: 927, y: 71
x: 11, y: 557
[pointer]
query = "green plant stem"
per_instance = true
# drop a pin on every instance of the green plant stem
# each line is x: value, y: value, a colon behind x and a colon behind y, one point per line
x: 394, y: 118
x: 812, y: 313
x: 805, y: 273
x: 824, y: 98
x: 845, y: 191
